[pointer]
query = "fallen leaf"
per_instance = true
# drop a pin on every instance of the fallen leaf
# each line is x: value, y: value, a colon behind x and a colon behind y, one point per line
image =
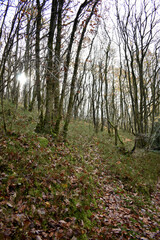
x: 38, y: 238
x: 116, y: 230
x: 9, y: 205
x: 41, y: 211
x: 47, y: 204
x: 63, y: 223
x: 73, y: 238
x: 33, y: 208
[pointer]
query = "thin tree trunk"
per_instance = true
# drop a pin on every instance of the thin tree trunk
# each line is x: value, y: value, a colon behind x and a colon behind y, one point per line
x: 74, y: 77
x: 57, y: 60
x: 106, y: 84
x: 37, y: 50
x: 66, y: 64
x: 49, y: 82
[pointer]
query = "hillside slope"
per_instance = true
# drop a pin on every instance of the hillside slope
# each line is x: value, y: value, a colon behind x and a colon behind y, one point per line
x: 85, y: 188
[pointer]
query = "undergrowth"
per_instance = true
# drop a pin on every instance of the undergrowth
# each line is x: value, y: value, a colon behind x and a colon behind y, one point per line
x: 138, y: 171
x: 55, y: 189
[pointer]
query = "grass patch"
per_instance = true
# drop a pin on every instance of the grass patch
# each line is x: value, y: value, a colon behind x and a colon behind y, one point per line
x: 139, y: 172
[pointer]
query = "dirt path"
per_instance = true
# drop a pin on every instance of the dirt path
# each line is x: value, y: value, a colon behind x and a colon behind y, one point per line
x: 119, y: 214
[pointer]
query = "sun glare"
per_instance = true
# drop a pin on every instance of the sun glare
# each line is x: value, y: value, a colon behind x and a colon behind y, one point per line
x: 22, y: 78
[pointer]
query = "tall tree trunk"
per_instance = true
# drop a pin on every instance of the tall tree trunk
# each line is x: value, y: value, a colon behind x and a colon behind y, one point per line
x: 14, y: 90
x: 57, y: 61
x: 101, y: 96
x: 74, y: 77
x: 106, y: 84
x: 49, y: 78
x: 37, y: 50
x: 66, y: 64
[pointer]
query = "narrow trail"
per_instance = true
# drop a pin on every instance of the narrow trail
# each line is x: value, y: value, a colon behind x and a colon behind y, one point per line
x: 117, y: 214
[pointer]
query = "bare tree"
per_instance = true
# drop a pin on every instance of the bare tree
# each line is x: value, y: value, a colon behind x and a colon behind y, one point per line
x: 138, y: 30
x: 74, y: 77
x: 66, y: 68
x: 49, y: 82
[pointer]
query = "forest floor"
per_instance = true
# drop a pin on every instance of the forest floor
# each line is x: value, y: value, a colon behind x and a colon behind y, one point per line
x: 85, y: 188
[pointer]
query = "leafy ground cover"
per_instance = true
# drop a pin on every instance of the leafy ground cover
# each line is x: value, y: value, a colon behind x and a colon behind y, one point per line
x: 85, y: 188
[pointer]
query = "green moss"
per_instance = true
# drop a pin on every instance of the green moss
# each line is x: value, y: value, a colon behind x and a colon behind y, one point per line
x: 83, y: 237
x: 35, y: 192
x: 43, y: 141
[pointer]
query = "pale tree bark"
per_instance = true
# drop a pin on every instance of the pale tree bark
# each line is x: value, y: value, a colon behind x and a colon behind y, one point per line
x: 112, y: 105
x: 121, y: 89
x: 101, y: 95
x: 14, y: 89
x: 93, y: 99
x: 106, y: 83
